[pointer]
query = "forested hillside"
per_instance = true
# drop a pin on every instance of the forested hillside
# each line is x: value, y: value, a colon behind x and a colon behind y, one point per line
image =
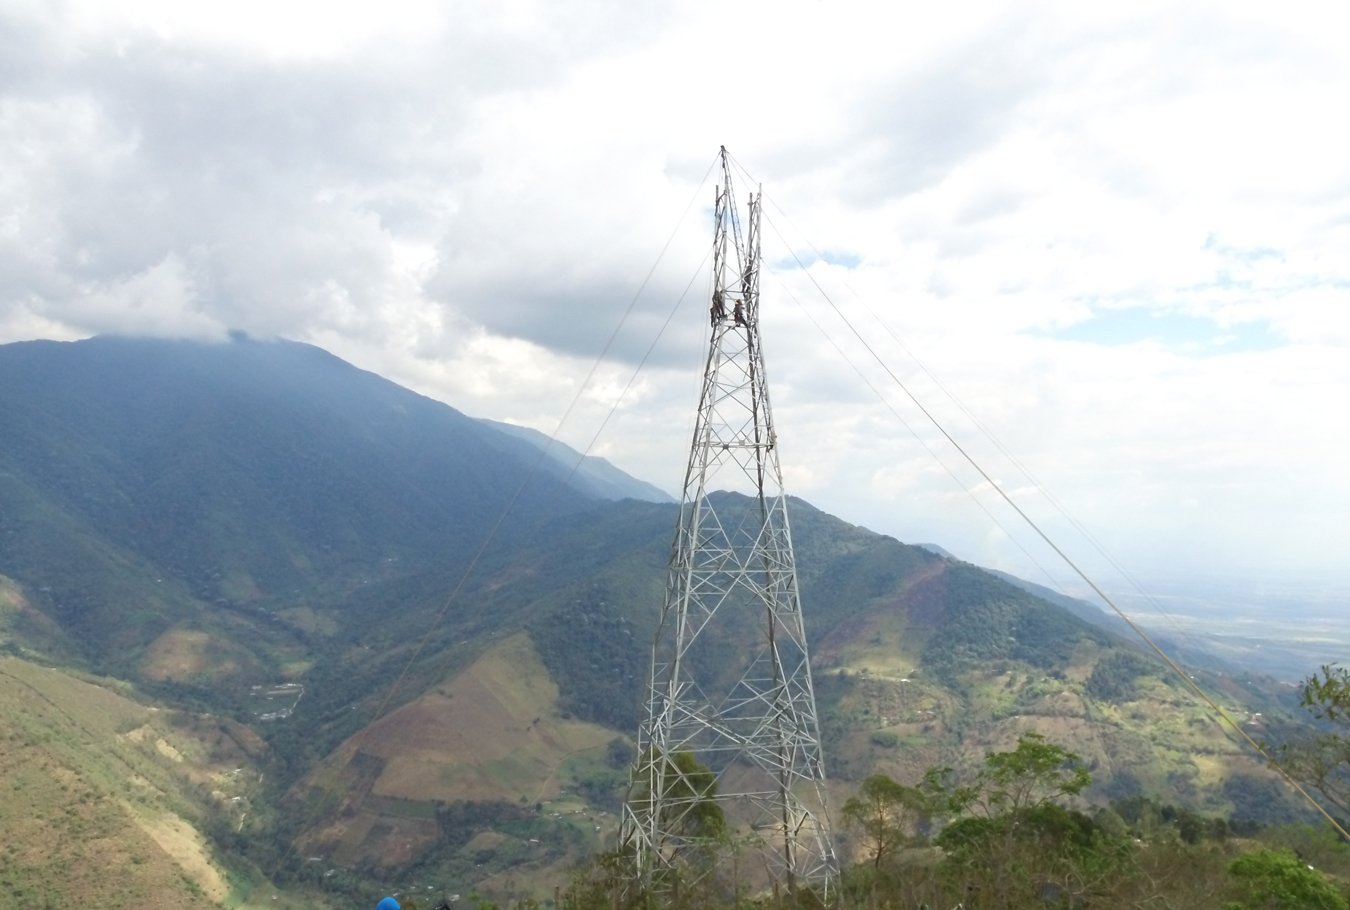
x: 148, y: 487
x: 261, y: 536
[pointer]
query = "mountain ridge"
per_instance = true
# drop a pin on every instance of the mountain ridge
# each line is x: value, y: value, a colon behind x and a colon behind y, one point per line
x: 1187, y: 651
x: 593, y: 474
x: 180, y: 463
x: 216, y: 523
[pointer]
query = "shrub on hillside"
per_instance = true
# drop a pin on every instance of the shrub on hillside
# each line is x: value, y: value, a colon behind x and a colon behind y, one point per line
x: 1279, y: 880
x: 1113, y: 677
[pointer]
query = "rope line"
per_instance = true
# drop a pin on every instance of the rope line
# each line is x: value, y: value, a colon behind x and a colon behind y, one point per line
x: 998, y: 444
x: 1062, y: 555
x: 521, y: 548
x: 642, y: 362
x: 501, y: 519
x: 897, y: 415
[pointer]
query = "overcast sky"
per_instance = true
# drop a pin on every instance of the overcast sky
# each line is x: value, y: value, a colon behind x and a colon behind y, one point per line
x: 1117, y: 234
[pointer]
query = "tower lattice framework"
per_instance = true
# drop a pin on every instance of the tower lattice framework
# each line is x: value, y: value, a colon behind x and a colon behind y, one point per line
x: 730, y: 716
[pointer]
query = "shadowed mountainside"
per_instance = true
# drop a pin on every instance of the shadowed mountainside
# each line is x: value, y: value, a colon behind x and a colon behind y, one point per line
x: 264, y: 533
x: 152, y: 485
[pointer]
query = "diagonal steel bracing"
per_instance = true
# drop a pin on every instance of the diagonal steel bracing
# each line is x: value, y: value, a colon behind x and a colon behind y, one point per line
x: 730, y: 717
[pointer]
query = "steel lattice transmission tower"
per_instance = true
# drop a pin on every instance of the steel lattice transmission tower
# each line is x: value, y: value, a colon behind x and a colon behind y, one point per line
x: 731, y: 715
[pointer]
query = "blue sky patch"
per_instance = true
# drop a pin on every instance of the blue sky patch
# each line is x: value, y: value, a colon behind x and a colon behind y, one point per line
x: 847, y: 260
x: 1195, y: 335
x: 808, y: 258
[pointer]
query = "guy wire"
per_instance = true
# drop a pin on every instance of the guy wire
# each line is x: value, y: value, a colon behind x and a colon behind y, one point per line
x: 1062, y: 555
x: 1012, y: 458
x: 496, y: 526
x: 519, y: 550
x: 896, y: 414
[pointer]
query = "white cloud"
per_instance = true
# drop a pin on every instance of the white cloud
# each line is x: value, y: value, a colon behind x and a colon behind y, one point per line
x: 1117, y: 232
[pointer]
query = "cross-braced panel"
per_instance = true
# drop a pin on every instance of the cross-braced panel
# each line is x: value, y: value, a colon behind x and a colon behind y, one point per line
x: 729, y: 750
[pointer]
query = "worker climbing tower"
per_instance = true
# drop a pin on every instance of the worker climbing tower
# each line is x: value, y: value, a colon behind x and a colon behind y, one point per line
x: 729, y: 750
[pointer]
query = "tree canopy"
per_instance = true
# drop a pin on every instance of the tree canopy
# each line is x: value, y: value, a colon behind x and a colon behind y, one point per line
x: 1322, y: 761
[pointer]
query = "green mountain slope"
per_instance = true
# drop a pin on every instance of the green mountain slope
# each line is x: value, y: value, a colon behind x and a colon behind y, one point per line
x: 590, y: 474
x: 141, y: 481
x: 919, y: 661
x: 264, y: 533
x: 107, y: 799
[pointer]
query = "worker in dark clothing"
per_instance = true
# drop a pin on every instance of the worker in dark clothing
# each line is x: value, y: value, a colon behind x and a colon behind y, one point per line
x: 719, y: 309
x: 738, y: 313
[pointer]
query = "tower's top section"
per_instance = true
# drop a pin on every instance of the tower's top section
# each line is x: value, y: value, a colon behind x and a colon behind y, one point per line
x: 735, y: 294
x: 733, y: 446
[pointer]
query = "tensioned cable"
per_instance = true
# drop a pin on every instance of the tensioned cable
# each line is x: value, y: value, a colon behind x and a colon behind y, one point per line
x: 1016, y: 542
x: 923, y: 442
x: 1017, y: 463
x: 544, y: 516
x: 642, y: 362
x: 506, y: 511
x: 1062, y: 555
x: 1026, y: 472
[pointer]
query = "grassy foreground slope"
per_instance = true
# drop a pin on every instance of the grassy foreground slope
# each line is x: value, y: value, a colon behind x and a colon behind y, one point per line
x: 956, y: 663
x: 106, y: 798
x: 483, y: 777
